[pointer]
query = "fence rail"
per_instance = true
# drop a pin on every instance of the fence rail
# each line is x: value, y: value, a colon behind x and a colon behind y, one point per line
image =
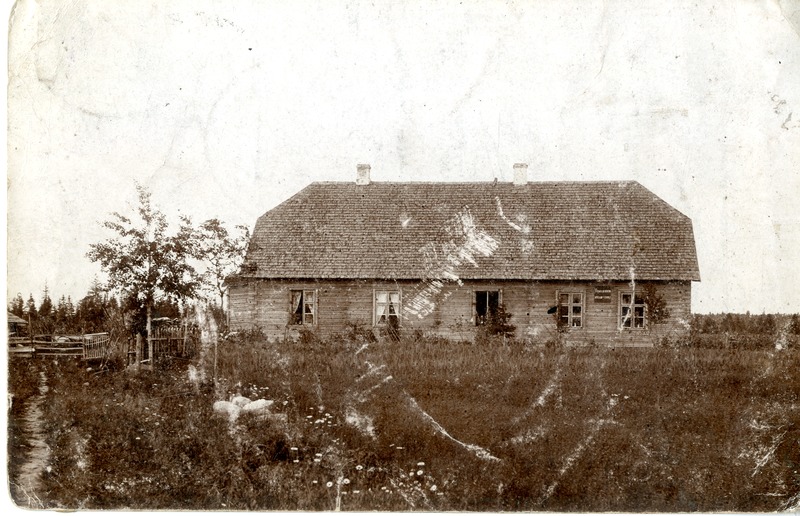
x: 92, y: 346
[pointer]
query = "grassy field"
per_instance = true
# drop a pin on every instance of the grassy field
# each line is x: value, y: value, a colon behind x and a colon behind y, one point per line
x: 430, y: 425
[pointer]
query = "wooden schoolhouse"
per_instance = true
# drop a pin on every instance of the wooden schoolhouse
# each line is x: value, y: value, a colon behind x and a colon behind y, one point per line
x: 605, y: 262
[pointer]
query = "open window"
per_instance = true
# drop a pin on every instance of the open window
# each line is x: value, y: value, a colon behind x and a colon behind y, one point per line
x: 570, y: 310
x: 632, y: 311
x: 303, y: 307
x: 487, y: 303
x: 387, y: 308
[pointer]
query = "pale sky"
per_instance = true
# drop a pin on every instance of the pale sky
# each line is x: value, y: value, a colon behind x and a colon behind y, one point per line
x: 224, y: 109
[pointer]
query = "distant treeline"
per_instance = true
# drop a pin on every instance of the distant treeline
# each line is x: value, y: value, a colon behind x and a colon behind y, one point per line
x: 767, y: 324
x: 96, y: 312
x: 745, y: 331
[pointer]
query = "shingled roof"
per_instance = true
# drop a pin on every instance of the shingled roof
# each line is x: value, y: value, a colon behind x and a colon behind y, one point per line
x: 535, y: 231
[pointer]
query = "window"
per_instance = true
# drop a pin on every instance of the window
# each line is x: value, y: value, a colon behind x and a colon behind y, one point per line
x: 387, y: 307
x: 486, y: 304
x: 303, y: 308
x: 570, y: 309
x: 631, y: 310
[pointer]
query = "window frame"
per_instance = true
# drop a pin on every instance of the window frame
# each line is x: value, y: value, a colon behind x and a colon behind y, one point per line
x: 570, y: 313
x: 293, y: 320
x: 629, y: 324
x: 398, y: 310
x: 478, y: 321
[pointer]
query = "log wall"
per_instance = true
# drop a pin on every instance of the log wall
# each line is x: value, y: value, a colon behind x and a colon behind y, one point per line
x: 450, y: 308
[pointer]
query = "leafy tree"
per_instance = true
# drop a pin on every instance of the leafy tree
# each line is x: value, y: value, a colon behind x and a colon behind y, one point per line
x: 657, y: 310
x: 222, y: 251
x: 90, y: 315
x: 766, y: 325
x: 143, y: 261
x: 794, y: 324
x: 498, y: 323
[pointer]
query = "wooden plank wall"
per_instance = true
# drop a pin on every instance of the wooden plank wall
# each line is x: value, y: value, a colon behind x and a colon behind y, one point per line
x: 266, y: 303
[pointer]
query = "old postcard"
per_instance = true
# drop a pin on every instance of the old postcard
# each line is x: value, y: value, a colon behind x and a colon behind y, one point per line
x: 404, y: 256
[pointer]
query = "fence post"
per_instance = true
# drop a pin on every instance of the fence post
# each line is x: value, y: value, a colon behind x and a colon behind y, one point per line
x: 138, y: 349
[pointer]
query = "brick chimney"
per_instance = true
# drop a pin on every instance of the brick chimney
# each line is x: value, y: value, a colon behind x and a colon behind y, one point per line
x: 362, y: 174
x: 520, y: 173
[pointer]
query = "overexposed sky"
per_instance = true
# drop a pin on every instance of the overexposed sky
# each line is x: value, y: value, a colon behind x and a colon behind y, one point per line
x: 225, y: 109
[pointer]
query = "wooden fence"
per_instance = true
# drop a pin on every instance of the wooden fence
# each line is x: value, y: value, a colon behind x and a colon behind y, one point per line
x: 93, y: 346
x: 167, y: 341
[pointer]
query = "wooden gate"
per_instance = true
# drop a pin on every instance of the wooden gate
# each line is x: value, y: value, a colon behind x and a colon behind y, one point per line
x: 167, y: 341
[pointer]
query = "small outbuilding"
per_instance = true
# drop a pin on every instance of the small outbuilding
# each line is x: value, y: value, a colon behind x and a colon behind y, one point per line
x: 605, y: 262
x: 17, y: 327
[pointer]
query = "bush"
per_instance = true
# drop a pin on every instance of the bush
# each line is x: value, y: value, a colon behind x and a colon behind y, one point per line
x: 497, y: 325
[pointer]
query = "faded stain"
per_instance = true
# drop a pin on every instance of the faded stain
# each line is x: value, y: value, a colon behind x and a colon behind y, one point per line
x: 443, y: 260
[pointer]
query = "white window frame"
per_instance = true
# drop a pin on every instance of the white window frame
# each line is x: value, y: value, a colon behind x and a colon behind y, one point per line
x: 571, y: 304
x: 375, y: 303
x: 628, y: 323
x: 303, y: 305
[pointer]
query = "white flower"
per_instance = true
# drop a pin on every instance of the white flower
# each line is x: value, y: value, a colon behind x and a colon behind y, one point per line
x: 420, y: 464
x: 346, y: 481
x: 329, y: 484
x: 359, y: 467
x: 433, y: 487
x: 419, y: 473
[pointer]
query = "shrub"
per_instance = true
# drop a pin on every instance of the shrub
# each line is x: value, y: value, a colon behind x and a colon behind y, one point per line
x: 497, y: 325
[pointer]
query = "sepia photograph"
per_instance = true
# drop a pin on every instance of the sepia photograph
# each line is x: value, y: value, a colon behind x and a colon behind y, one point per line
x: 475, y: 256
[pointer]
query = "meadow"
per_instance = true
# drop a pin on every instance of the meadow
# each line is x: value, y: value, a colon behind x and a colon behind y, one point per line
x: 426, y: 425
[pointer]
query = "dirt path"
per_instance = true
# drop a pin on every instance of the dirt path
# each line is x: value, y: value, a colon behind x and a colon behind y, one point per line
x: 26, y: 486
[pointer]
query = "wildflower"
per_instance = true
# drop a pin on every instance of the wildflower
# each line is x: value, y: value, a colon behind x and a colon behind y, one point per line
x: 318, y: 454
x: 420, y: 464
x: 313, y: 481
x: 293, y: 448
x: 419, y: 472
x: 296, y: 461
x: 359, y: 467
x: 317, y: 460
x: 329, y: 484
x: 346, y: 481
x: 433, y: 488
x: 356, y: 491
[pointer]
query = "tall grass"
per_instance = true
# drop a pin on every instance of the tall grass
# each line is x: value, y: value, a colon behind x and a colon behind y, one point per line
x: 433, y: 425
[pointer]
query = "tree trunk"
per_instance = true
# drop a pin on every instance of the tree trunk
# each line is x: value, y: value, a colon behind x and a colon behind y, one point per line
x: 149, y: 336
